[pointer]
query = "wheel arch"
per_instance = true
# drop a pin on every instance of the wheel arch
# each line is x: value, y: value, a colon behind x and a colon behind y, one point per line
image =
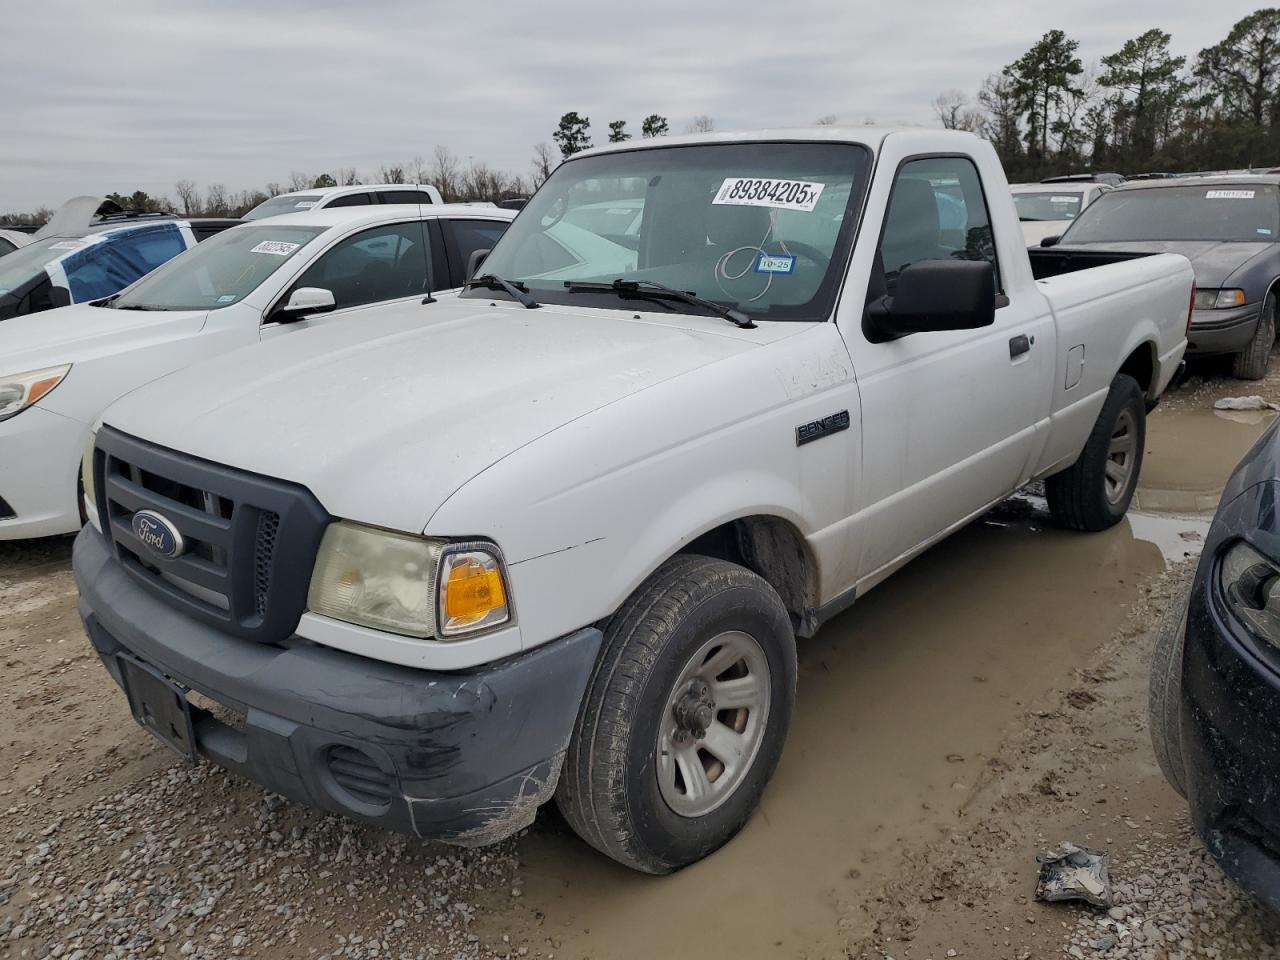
x: 773, y: 548
x: 1141, y: 364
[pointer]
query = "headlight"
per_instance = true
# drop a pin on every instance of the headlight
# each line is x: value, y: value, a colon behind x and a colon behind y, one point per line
x: 21, y: 390
x: 414, y: 586
x: 1219, y: 299
x: 1251, y: 584
x: 87, y: 482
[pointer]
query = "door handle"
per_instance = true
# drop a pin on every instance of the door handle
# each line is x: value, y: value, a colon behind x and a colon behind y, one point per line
x: 1019, y: 345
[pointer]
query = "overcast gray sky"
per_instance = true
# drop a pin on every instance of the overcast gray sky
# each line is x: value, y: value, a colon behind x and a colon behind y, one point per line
x: 134, y: 94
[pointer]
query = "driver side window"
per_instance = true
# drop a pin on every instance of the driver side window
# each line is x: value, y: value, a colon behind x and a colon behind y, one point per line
x: 382, y: 263
x: 937, y: 211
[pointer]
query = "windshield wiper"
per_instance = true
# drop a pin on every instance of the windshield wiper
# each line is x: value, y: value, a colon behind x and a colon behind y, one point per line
x: 134, y: 306
x: 651, y: 290
x: 517, y: 291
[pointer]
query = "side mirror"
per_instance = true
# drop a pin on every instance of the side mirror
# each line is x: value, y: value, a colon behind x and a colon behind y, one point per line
x: 474, y: 261
x: 1050, y: 241
x: 934, y: 295
x: 305, y: 301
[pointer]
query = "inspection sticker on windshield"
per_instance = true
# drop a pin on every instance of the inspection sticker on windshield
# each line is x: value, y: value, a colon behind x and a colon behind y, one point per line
x: 758, y: 192
x: 305, y: 204
x: 277, y: 247
x: 775, y: 264
x: 1229, y: 195
x: 227, y: 298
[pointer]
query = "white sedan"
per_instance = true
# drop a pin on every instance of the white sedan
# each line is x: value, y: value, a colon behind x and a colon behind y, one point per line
x: 1047, y: 209
x: 60, y: 369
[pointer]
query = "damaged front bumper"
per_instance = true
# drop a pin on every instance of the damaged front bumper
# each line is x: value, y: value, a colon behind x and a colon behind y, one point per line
x: 465, y: 757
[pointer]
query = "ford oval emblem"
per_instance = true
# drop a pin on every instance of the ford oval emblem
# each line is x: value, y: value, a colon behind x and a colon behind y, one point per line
x: 158, y: 534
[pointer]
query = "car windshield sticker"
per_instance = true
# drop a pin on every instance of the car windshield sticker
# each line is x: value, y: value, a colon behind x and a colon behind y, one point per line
x: 228, y: 298
x: 760, y: 192
x: 774, y: 264
x: 1265, y: 231
x: 1229, y: 195
x: 67, y: 245
x: 277, y: 247
x: 1064, y: 199
x: 305, y: 204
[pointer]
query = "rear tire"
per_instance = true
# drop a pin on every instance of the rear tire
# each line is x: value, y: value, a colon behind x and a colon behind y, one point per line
x: 1165, y: 700
x: 1251, y: 362
x: 1094, y: 492
x: 662, y: 768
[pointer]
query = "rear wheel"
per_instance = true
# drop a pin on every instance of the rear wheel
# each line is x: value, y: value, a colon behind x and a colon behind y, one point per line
x: 1165, y: 701
x: 1251, y: 362
x: 1094, y: 492
x: 684, y: 718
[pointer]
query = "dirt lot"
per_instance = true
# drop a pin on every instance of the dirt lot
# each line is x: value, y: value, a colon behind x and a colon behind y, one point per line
x: 983, y: 705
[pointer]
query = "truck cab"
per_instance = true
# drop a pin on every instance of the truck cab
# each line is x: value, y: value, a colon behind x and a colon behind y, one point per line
x: 559, y: 536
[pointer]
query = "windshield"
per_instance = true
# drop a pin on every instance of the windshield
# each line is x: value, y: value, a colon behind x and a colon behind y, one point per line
x: 219, y: 272
x: 1206, y: 211
x: 1048, y: 206
x: 26, y: 262
x: 764, y: 228
x: 290, y: 203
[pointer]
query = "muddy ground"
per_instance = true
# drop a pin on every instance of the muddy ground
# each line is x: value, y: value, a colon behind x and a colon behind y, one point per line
x: 984, y: 704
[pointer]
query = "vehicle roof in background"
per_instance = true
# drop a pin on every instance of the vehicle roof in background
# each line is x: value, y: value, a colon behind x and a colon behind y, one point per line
x: 1050, y: 187
x: 326, y: 192
x: 381, y: 213
x: 1244, y: 179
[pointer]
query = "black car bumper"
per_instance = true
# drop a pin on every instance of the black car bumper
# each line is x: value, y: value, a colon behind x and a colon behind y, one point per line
x: 1231, y: 710
x: 464, y: 757
x: 1222, y: 331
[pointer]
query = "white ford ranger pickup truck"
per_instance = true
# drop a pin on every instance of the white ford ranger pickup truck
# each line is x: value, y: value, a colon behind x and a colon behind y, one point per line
x: 557, y: 537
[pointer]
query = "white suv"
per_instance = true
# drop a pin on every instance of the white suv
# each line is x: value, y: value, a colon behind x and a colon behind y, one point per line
x: 365, y: 195
x: 60, y: 369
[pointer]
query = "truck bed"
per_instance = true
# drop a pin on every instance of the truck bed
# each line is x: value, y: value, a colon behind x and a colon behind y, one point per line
x: 1054, y: 261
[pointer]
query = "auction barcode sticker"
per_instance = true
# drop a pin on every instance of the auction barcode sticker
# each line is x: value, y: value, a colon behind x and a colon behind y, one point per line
x: 305, y: 204
x: 1229, y: 195
x: 762, y: 192
x: 277, y: 247
x: 1064, y: 199
x: 67, y: 245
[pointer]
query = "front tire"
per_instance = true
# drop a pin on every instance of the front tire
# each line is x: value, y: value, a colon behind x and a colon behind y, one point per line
x: 1165, y: 700
x: 1251, y: 362
x: 1094, y: 492
x: 684, y: 718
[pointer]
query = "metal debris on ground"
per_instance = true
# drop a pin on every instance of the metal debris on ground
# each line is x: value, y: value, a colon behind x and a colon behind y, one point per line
x: 1244, y: 403
x: 1074, y: 873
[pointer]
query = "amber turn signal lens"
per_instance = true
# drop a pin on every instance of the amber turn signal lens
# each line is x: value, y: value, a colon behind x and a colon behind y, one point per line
x: 472, y: 591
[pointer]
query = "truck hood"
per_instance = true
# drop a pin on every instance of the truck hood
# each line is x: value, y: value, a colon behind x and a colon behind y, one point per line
x: 384, y: 417
x: 80, y: 331
x: 1214, y: 261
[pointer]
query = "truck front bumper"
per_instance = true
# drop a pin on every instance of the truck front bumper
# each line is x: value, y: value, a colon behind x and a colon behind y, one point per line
x: 1222, y: 331
x: 466, y: 757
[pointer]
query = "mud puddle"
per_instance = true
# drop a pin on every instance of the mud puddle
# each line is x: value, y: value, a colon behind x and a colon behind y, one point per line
x: 900, y: 701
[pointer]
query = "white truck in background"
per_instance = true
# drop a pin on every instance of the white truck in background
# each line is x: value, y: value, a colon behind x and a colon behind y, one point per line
x: 560, y: 541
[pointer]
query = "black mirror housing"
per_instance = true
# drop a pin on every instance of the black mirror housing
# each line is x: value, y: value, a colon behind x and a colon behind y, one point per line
x: 934, y: 295
x: 1050, y: 241
x: 475, y: 261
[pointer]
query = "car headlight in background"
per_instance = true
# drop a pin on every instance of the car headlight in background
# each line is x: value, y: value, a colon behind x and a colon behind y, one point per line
x: 87, y: 482
x: 1219, y: 299
x: 414, y: 586
x: 1251, y: 584
x: 20, y: 390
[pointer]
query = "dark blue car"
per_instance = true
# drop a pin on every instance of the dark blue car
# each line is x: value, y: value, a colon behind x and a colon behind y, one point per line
x: 1215, y: 681
x: 1229, y: 228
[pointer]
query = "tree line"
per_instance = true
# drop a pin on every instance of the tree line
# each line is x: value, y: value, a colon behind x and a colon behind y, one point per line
x: 1140, y: 109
